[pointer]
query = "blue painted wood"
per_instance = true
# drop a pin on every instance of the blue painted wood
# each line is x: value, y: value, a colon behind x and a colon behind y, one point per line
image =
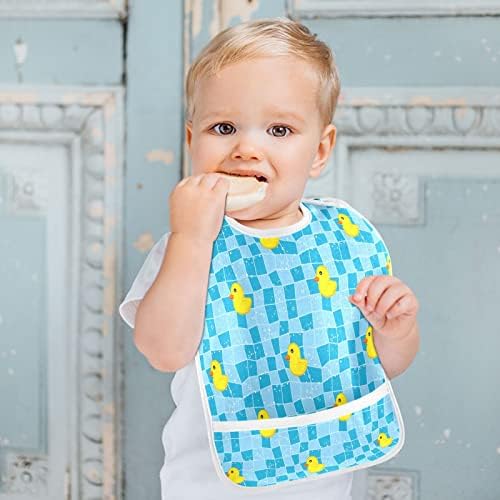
x: 154, y: 123
x: 404, y: 52
x: 448, y: 397
x: 80, y: 52
x: 390, y: 52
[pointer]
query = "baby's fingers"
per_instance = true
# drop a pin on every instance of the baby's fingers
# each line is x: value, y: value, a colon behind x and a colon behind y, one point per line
x: 362, y: 288
x: 407, y: 304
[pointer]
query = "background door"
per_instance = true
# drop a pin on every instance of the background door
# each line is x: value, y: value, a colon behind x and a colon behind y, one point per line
x: 61, y: 225
x: 417, y: 153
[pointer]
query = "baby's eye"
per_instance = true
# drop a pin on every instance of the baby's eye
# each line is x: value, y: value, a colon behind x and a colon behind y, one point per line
x: 280, y: 130
x: 224, y: 128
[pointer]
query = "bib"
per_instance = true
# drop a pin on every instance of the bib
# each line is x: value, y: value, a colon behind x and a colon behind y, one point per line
x: 291, y: 384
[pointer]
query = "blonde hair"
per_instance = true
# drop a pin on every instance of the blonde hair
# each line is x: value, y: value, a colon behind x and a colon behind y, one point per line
x: 268, y: 37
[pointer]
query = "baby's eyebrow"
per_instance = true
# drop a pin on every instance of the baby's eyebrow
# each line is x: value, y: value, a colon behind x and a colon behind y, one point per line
x: 288, y: 114
x: 278, y: 114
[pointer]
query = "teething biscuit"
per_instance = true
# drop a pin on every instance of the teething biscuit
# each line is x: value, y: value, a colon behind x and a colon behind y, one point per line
x: 244, y: 192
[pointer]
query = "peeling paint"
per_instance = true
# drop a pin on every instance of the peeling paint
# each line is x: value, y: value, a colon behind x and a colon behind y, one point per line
x: 109, y: 294
x: 109, y: 224
x: 95, y: 209
x: 18, y: 98
x: 108, y: 453
x: 242, y: 9
x: 238, y: 8
x: 429, y: 101
x: 109, y: 155
x: 215, y: 24
x: 96, y: 133
x: 144, y: 242
x: 196, y: 10
x: 165, y: 156
x: 99, y: 99
x: 20, y: 51
x: 110, y: 107
x: 108, y: 303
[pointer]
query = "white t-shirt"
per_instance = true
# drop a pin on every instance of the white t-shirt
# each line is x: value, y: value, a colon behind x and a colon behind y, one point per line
x: 188, y: 471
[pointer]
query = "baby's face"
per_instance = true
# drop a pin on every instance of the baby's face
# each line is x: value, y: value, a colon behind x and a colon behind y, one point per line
x: 260, y: 118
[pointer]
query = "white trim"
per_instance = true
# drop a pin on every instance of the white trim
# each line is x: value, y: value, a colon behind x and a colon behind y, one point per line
x: 426, y: 119
x: 301, y: 420
x: 89, y: 123
x: 285, y: 484
x: 326, y: 415
x: 368, y: 8
x: 81, y: 9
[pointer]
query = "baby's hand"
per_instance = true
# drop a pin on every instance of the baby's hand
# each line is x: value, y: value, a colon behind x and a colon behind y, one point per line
x: 388, y: 305
x: 197, y: 206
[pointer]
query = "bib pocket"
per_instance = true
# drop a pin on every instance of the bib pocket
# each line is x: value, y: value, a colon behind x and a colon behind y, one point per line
x: 272, y: 452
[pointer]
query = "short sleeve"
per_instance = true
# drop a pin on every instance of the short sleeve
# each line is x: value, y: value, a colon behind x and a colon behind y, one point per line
x: 142, y: 282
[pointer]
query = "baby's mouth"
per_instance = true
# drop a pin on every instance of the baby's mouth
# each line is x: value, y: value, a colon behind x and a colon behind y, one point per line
x: 245, y: 189
x: 259, y: 177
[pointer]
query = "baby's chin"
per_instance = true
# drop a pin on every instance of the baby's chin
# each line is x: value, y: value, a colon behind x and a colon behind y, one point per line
x: 248, y: 213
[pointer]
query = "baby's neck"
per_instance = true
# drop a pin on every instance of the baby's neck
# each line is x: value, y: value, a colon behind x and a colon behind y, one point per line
x: 285, y: 218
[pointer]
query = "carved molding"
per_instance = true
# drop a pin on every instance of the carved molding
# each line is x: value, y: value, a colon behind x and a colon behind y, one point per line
x: 393, y: 484
x: 308, y: 9
x: 89, y: 123
x: 388, y: 120
x: 26, y: 474
x: 64, y: 8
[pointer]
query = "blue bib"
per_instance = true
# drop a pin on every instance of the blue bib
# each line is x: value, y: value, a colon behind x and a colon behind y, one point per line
x: 291, y: 384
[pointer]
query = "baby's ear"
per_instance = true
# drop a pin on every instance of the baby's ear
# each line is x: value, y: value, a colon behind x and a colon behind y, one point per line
x: 189, y: 133
x: 325, y: 146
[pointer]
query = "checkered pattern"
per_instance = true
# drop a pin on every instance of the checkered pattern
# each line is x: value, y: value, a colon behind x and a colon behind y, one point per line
x: 287, y: 307
x: 336, y: 444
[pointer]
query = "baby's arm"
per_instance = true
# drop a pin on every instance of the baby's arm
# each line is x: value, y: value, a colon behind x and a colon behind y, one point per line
x: 169, y: 319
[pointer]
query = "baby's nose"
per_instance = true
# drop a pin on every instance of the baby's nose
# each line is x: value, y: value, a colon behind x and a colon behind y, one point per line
x: 246, y: 150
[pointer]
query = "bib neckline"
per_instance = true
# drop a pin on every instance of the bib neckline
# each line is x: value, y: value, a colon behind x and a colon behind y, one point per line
x: 272, y: 231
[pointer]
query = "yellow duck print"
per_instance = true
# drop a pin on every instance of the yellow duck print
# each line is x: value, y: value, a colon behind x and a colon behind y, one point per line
x: 370, y: 344
x: 267, y: 433
x: 234, y: 474
x: 220, y: 380
x: 388, y: 265
x: 298, y: 365
x: 327, y: 287
x: 348, y: 226
x: 339, y: 401
x: 384, y: 440
x: 269, y: 243
x: 241, y: 303
x: 313, y: 464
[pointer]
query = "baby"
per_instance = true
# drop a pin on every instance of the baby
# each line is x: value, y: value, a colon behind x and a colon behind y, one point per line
x: 260, y: 102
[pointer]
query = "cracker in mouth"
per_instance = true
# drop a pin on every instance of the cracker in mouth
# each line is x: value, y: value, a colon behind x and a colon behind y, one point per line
x: 244, y: 191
